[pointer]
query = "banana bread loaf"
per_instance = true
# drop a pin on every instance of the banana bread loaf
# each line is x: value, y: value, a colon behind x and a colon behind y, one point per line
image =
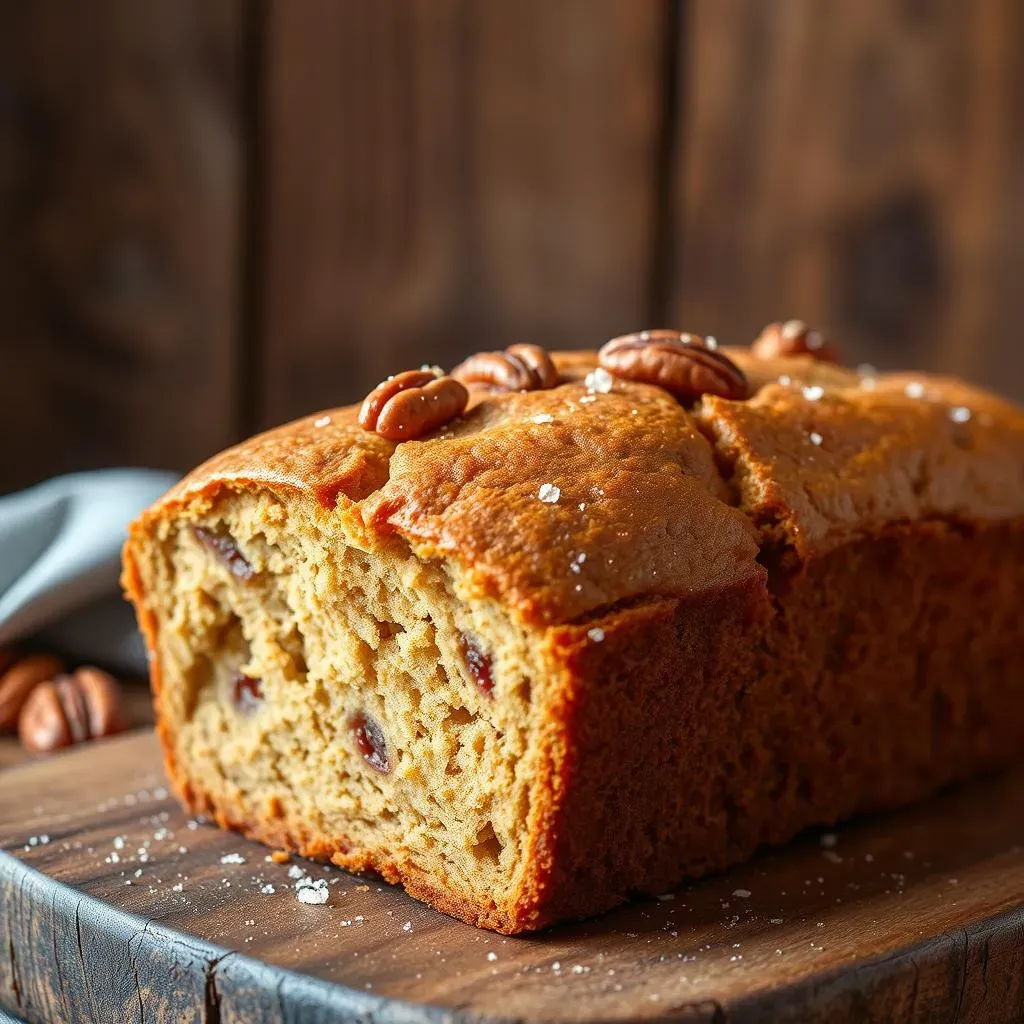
x: 609, y: 627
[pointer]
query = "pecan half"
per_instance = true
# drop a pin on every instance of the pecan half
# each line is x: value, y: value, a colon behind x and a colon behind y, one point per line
x: 71, y: 709
x: 678, y: 362
x: 794, y: 338
x: 18, y: 682
x: 412, y: 404
x: 518, y: 368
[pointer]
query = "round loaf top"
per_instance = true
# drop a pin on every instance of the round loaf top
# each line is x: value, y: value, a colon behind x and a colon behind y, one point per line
x: 563, y: 502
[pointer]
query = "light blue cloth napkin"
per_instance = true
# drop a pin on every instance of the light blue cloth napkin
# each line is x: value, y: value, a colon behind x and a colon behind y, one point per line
x: 60, y: 556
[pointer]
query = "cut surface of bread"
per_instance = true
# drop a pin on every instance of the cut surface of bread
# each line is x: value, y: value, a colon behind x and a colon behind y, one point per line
x: 730, y: 623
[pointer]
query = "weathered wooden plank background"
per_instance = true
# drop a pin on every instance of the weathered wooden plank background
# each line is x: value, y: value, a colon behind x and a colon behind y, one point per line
x: 217, y: 214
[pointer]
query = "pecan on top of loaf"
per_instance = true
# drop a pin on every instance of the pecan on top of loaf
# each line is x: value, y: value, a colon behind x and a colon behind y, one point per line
x: 794, y: 338
x: 411, y: 404
x: 685, y: 365
x: 518, y: 368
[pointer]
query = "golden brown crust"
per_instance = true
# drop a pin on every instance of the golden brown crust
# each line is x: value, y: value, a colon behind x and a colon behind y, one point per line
x: 637, y: 480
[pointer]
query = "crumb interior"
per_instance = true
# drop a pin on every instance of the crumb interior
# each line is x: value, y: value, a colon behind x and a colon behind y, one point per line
x: 344, y: 691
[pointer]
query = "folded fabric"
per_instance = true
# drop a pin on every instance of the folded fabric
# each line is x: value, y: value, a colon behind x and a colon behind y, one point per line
x: 60, y: 546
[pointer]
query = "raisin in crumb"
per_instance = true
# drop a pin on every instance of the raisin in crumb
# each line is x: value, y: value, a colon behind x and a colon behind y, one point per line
x: 226, y: 551
x: 478, y: 663
x: 370, y: 740
x: 246, y: 692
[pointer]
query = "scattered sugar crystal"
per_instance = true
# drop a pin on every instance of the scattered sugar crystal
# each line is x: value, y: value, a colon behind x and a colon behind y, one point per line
x: 711, y: 342
x: 828, y: 840
x: 775, y: 920
x: 407, y: 927
x: 868, y: 383
x: 268, y: 890
x: 549, y: 493
x: 177, y: 888
x: 543, y: 417
x: 587, y: 399
x: 961, y: 414
x: 599, y: 380
x: 296, y: 872
x: 816, y: 438
x: 322, y: 421
x: 742, y: 894
x: 492, y: 956
x: 596, y: 634
x: 118, y: 842
x: 813, y: 393
x: 232, y: 858
x: 785, y: 380
x: 914, y: 389
x: 313, y: 896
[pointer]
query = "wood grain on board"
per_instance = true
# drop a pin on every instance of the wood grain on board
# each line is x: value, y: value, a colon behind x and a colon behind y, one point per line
x: 856, y: 165
x: 445, y: 176
x: 913, y: 916
x: 119, y: 222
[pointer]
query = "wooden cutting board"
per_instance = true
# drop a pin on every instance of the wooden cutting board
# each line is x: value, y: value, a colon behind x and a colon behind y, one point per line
x: 115, y: 906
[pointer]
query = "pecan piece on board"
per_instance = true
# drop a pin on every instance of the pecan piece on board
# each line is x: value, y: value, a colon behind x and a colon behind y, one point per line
x: 71, y: 709
x: 18, y: 681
